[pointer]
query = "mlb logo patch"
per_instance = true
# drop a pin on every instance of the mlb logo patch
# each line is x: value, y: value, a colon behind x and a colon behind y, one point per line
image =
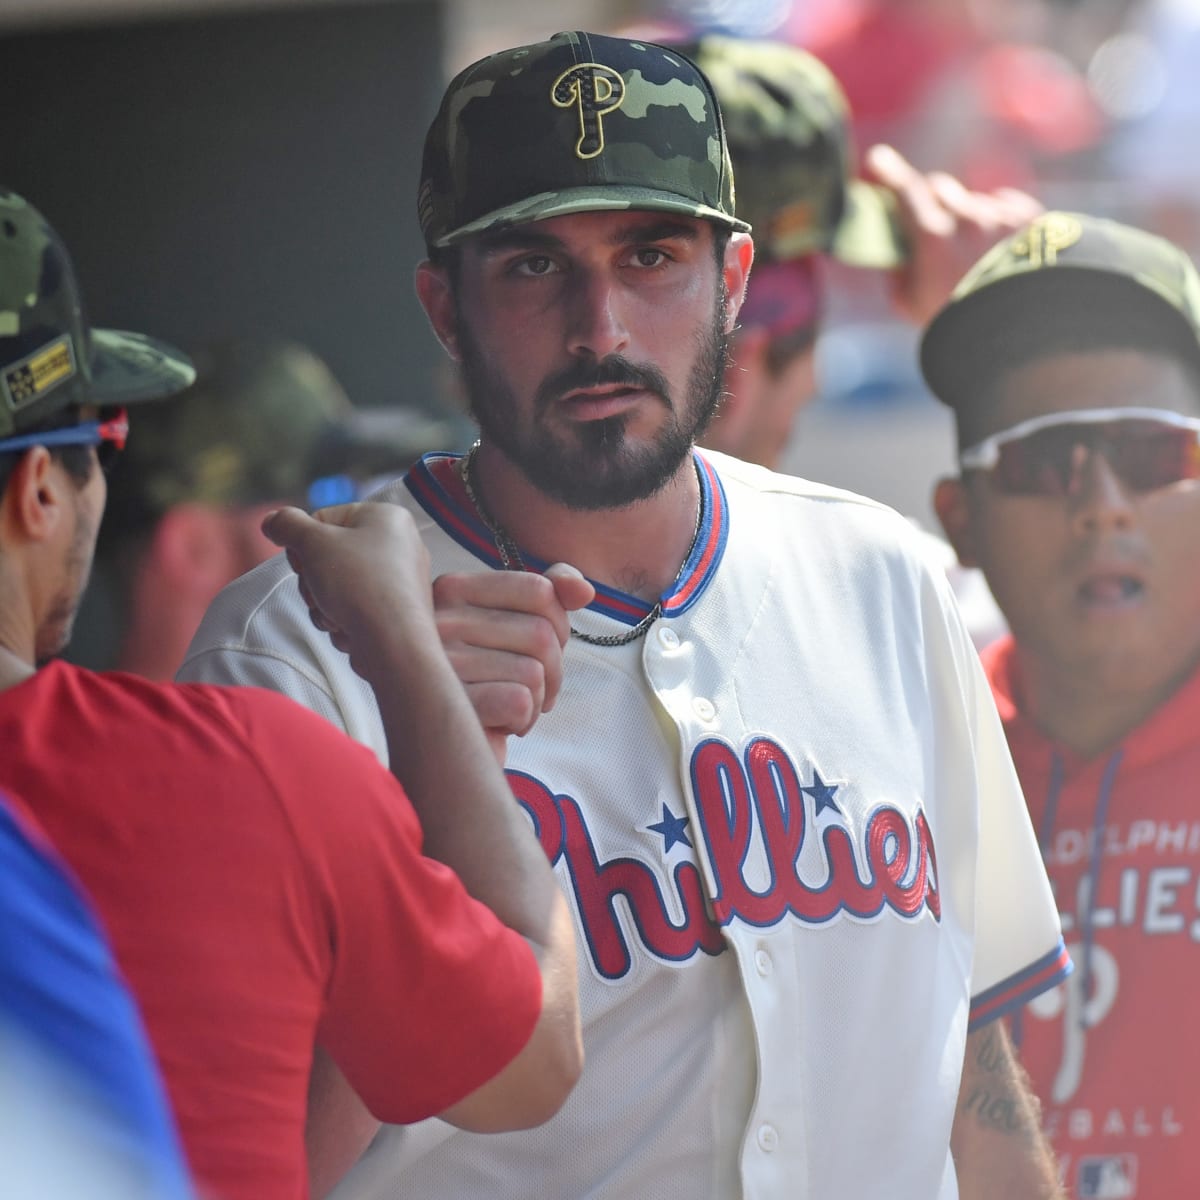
x: 1110, y: 1178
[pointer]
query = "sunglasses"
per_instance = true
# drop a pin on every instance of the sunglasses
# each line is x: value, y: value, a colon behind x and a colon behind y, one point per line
x: 107, y: 435
x: 1147, y: 448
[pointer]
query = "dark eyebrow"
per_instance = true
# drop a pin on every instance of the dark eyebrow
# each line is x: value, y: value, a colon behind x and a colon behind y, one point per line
x: 520, y: 237
x: 658, y: 229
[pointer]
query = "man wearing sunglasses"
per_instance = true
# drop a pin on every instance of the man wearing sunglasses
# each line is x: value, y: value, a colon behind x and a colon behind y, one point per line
x: 260, y: 875
x: 1071, y: 357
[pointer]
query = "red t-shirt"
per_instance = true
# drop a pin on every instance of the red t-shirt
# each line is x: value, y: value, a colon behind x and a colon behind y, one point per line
x: 261, y: 879
x: 1113, y: 1051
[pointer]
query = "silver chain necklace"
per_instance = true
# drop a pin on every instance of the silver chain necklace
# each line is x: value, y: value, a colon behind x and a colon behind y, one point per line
x: 510, y: 555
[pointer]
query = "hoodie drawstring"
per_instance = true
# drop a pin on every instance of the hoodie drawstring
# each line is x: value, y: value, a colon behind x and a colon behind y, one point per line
x: 1045, y: 834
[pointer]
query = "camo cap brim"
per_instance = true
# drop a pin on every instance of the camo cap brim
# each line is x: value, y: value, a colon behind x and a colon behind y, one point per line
x: 581, y: 122
x: 131, y: 368
x: 577, y: 200
x: 1054, y: 280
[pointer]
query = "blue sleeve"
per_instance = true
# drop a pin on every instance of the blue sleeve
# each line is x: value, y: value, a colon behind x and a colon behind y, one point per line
x: 61, y: 991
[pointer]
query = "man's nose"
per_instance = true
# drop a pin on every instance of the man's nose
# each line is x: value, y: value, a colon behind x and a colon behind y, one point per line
x: 1099, y: 498
x: 597, y: 323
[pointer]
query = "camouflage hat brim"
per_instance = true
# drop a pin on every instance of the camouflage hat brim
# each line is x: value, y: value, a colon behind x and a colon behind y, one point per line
x: 130, y: 368
x: 604, y: 198
x: 868, y: 235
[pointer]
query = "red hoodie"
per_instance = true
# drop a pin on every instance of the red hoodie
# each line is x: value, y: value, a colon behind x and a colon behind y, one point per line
x: 1114, y: 1052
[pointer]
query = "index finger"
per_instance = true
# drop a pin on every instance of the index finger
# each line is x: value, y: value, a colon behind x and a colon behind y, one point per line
x: 504, y: 591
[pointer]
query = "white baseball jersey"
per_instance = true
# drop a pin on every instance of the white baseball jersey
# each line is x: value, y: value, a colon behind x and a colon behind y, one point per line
x: 792, y: 838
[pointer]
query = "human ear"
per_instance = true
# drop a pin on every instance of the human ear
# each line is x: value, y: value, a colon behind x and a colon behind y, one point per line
x: 739, y: 256
x: 34, y: 499
x: 951, y: 504
x: 436, y: 295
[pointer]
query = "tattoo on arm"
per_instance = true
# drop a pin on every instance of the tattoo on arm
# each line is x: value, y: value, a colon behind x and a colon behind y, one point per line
x: 998, y: 1095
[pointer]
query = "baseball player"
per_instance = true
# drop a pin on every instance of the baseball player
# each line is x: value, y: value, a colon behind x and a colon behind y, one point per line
x: 1071, y: 359
x: 790, y: 135
x: 260, y: 876
x: 264, y: 420
x: 772, y: 767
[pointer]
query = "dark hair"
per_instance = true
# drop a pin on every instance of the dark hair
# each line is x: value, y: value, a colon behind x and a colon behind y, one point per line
x: 784, y: 349
x: 448, y: 259
x: 77, y: 461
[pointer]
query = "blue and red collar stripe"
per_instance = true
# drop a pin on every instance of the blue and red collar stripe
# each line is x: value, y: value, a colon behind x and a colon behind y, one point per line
x: 437, y: 487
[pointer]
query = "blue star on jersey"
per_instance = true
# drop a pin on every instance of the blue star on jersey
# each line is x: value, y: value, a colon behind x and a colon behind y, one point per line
x: 822, y: 794
x: 672, y: 829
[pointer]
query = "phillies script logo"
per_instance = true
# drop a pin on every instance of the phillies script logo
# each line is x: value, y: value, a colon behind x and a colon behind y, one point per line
x: 891, y: 864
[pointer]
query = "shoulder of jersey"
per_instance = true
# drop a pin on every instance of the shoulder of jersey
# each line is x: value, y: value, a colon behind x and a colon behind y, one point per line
x: 762, y: 479
x: 836, y: 511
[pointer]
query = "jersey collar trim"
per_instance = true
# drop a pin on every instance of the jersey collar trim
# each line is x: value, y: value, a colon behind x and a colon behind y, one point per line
x: 435, y: 484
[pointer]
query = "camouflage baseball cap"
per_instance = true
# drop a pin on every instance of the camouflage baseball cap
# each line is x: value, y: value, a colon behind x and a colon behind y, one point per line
x: 50, y: 358
x: 254, y: 428
x: 579, y: 123
x: 789, y: 129
x: 1066, y: 279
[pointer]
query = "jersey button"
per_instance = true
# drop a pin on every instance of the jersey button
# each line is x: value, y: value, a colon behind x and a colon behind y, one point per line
x: 703, y: 708
x: 762, y: 962
x: 668, y: 638
x: 768, y: 1138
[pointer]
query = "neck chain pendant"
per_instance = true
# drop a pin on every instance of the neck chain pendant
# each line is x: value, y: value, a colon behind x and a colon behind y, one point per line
x: 510, y: 555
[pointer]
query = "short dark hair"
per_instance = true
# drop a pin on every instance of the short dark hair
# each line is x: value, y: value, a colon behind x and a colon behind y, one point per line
x: 77, y: 461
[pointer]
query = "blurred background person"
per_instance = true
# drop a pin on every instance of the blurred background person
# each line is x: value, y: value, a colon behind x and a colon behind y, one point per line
x: 792, y: 147
x: 265, y: 424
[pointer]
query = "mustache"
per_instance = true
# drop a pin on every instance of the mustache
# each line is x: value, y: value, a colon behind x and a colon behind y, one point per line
x: 611, y: 370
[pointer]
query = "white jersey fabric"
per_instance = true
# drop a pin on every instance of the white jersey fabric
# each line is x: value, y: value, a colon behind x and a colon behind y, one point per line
x: 789, y: 829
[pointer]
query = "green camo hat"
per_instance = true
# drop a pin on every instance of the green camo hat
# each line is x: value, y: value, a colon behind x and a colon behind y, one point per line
x: 1063, y: 279
x: 579, y: 123
x: 789, y: 130
x: 263, y: 420
x: 50, y: 358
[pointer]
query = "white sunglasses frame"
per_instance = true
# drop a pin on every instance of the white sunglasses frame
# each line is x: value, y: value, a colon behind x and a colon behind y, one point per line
x: 984, y: 455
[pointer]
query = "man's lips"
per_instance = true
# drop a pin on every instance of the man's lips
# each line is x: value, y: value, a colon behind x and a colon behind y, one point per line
x: 603, y: 401
x: 1111, y: 587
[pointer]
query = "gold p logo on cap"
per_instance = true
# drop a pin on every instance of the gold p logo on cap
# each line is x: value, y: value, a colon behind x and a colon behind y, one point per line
x: 597, y: 91
x: 1046, y: 237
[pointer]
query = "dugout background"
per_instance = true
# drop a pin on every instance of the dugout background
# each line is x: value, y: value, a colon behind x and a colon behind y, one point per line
x: 239, y: 172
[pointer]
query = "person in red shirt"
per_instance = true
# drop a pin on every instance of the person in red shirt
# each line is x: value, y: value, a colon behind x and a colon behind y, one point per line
x: 1070, y: 355
x: 260, y: 875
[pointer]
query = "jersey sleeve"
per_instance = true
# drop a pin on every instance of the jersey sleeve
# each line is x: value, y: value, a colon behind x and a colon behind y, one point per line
x: 257, y: 633
x: 428, y: 994
x: 1019, y: 949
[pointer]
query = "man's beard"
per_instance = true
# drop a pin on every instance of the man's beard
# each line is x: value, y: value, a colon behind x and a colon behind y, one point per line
x: 593, y: 466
